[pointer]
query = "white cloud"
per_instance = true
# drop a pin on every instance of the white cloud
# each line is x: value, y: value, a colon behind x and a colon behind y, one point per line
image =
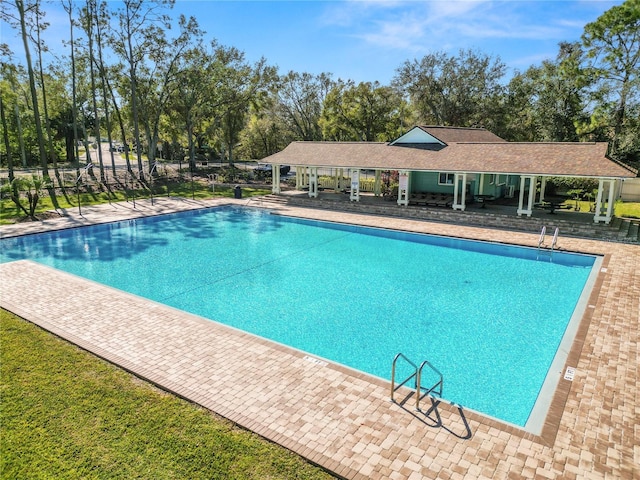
x: 403, y: 25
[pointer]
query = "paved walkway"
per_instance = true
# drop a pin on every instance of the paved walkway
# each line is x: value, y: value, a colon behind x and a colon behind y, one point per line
x: 341, y: 419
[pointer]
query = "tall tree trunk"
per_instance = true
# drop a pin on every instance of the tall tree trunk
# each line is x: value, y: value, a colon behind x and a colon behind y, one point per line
x: 92, y: 74
x: 5, y: 136
x: 47, y: 122
x: 74, y: 109
x: 120, y: 122
x: 32, y: 88
x: 23, y: 154
x: 105, y: 96
x: 134, y: 99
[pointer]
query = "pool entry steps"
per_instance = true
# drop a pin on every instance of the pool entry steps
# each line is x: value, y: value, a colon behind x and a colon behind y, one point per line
x: 416, y: 375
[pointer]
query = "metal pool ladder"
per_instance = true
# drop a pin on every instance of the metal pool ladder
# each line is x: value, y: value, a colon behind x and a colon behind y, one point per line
x: 543, y: 233
x: 417, y: 376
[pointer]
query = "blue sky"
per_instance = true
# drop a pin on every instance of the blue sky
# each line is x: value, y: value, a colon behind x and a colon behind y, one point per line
x: 368, y: 40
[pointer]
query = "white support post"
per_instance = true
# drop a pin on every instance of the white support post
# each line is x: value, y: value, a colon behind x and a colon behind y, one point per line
x: 377, y: 183
x: 275, y: 179
x: 403, y: 188
x: 520, y: 210
x: 354, y: 194
x: 299, y: 178
x: 533, y: 183
x: 531, y: 197
x: 606, y: 218
x: 543, y: 186
x: 313, y: 182
x: 459, y: 194
x: 610, y: 201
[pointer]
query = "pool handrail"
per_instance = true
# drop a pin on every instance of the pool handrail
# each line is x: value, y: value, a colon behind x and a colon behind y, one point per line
x: 393, y: 373
x: 543, y: 232
x: 417, y: 374
x: 439, y: 383
x: 555, y: 238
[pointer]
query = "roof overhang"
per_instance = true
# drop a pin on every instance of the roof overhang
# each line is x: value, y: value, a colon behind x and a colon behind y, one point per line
x: 540, y: 159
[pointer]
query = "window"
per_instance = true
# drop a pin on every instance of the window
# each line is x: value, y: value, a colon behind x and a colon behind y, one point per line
x: 446, y: 178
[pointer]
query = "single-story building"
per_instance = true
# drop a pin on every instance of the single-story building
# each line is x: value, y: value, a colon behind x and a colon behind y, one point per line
x: 456, y: 165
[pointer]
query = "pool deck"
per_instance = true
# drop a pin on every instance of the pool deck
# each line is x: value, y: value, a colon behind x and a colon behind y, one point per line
x: 335, y: 417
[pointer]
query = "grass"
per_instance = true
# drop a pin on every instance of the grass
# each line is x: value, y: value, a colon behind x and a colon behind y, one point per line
x: 68, y: 414
x: 621, y: 209
x: 9, y: 213
x: 627, y: 209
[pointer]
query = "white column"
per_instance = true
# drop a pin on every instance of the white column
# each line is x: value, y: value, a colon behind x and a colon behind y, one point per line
x: 543, y: 186
x: 354, y: 194
x: 313, y: 182
x: 533, y: 183
x: 403, y: 188
x: 459, y: 197
x: 606, y: 218
x: 275, y: 179
x: 298, y: 178
x: 531, y: 197
x: 377, y: 182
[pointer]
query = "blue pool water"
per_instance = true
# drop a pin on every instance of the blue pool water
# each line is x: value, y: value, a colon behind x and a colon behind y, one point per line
x: 490, y: 317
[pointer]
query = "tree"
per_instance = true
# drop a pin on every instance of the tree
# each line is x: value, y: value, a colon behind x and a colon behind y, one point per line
x: 264, y: 134
x: 72, y: 151
x: 192, y: 96
x: 300, y: 97
x: 545, y: 102
x: 141, y: 30
x: 240, y: 87
x: 32, y: 186
x: 157, y: 86
x: 459, y: 91
x: 364, y: 112
x: 8, y: 73
x: 23, y: 12
x: 612, y: 47
x: 40, y: 47
x: 88, y: 20
x: 5, y: 139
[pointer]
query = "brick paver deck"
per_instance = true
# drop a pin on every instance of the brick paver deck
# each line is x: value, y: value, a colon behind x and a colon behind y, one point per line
x: 341, y: 419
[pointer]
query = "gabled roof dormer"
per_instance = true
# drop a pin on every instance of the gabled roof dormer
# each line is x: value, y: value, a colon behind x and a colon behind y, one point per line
x: 416, y: 136
x: 428, y: 136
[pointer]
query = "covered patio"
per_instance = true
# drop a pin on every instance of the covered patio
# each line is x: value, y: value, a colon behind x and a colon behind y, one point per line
x: 461, y: 166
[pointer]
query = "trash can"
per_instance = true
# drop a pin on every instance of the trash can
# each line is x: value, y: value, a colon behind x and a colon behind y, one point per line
x: 237, y: 192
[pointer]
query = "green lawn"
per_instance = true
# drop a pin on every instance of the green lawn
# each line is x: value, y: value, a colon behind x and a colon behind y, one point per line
x: 621, y: 209
x: 627, y: 209
x: 9, y: 213
x: 67, y: 414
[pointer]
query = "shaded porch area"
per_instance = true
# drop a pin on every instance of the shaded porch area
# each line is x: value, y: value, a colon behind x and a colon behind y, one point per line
x: 498, y: 213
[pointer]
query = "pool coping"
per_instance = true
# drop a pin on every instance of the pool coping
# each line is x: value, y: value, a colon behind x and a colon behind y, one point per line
x: 481, y: 425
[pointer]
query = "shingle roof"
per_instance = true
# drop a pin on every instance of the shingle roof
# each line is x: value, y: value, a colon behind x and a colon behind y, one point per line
x: 548, y: 159
x: 461, y: 134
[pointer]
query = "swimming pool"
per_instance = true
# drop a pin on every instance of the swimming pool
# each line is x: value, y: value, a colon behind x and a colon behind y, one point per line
x: 352, y: 295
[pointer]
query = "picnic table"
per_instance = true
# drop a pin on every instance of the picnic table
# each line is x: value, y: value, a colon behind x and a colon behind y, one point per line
x: 483, y: 199
x: 552, y: 206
